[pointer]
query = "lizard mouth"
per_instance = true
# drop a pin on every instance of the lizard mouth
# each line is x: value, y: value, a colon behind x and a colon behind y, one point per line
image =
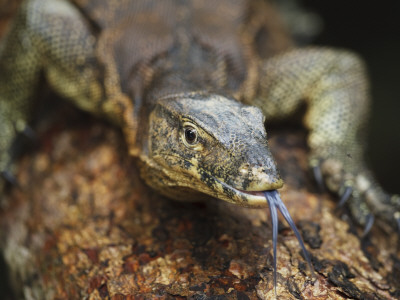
x: 246, y: 198
x: 253, y: 198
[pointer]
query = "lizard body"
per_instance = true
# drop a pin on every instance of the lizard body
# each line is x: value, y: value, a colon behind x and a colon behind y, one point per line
x: 191, y: 85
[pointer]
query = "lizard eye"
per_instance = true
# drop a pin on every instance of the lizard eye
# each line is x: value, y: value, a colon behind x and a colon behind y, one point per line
x: 190, y: 135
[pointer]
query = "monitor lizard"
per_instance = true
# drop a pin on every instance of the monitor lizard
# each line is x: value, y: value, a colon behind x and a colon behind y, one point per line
x: 191, y: 85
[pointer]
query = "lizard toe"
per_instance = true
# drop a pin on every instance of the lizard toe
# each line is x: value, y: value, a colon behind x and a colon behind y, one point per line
x: 345, y: 196
x: 370, y: 219
x: 357, y: 188
x: 360, y: 212
x: 316, y: 170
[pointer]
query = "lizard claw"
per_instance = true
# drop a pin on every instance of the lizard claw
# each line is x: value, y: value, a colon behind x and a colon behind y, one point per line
x: 368, y: 224
x: 346, y: 195
x: 318, y: 177
x: 358, y: 189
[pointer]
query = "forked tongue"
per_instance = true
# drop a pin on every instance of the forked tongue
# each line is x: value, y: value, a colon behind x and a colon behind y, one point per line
x: 275, y: 202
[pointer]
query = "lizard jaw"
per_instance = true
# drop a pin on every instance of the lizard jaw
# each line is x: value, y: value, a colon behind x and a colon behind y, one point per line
x: 244, y: 198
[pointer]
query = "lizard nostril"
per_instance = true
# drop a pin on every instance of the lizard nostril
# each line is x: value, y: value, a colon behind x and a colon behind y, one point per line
x: 244, y: 170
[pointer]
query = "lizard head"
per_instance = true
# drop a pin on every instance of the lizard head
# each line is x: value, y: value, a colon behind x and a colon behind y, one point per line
x: 208, y: 144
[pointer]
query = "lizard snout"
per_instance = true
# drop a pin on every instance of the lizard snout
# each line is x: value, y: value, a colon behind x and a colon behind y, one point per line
x: 258, y: 178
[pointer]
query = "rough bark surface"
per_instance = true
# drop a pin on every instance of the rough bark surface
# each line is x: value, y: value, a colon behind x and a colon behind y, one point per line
x: 83, y: 225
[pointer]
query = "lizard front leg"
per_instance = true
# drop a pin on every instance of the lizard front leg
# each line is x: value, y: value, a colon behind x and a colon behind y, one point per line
x: 47, y: 37
x: 335, y: 89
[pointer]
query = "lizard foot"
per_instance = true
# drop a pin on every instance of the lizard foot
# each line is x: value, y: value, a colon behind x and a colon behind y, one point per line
x: 358, y: 189
x: 360, y: 212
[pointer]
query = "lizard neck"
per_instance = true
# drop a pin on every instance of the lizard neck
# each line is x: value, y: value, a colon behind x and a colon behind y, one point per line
x: 182, y: 82
x: 190, y: 67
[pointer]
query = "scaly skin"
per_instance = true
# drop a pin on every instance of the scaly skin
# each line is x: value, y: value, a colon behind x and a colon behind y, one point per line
x: 184, y: 71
